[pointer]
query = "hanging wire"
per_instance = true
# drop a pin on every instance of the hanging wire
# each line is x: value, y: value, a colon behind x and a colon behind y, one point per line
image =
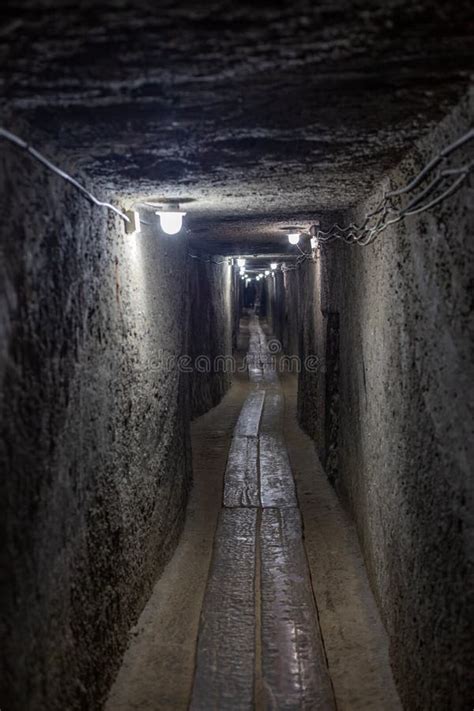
x: 54, y: 168
x: 375, y: 222
x: 386, y: 213
x: 208, y: 259
x: 298, y: 262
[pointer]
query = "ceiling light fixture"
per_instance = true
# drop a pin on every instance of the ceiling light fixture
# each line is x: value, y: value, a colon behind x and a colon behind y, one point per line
x: 171, y: 219
x: 293, y: 237
x: 169, y: 212
x: 273, y: 266
x: 240, y: 262
x: 267, y: 272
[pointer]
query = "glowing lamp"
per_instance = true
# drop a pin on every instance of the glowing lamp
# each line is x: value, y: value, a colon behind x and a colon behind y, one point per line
x: 294, y: 237
x: 171, y: 221
x: 267, y: 272
x: 241, y: 262
x: 273, y: 266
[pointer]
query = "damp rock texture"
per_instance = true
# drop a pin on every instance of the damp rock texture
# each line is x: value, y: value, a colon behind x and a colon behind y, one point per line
x: 94, y: 417
x: 389, y: 412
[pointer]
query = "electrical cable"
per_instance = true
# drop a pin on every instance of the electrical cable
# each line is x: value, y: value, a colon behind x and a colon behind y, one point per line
x: 442, y: 155
x: 385, y: 212
x: 208, y: 259
x: 54, y: 168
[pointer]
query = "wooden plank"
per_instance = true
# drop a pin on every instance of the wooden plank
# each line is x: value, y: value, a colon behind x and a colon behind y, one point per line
x: 255, y: 374
x: 269, y: 373
x: 277, y: 486
x: 241, y: 474
x: 225, y: 661
x: 249, y: 418
x: 254, y: 344
x: 272, y: 416
x: 254, y: 364
x: 261, y: 365
x: 295, y: 674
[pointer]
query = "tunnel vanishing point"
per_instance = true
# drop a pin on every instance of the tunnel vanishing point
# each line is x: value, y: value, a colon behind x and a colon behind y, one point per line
x: 236, y: 355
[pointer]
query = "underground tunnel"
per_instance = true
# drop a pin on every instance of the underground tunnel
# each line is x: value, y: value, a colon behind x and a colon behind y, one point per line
x: 236, y: 355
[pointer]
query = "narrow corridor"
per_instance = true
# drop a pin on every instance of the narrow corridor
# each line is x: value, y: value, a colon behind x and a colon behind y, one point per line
x: 259, y: 636
x: 236, y: 355
x: 255, y: 640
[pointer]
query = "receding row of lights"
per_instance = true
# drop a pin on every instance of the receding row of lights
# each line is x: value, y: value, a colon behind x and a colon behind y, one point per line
x: 243, y: 274
x: 171, y: 222
x: 241, y: 265
x: 293, y: 238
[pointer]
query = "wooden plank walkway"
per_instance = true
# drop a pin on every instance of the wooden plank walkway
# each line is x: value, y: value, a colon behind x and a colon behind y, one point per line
x: 259, y: 642
x: 241, y: 476
x: 295, y: 674
x: 224, y: 676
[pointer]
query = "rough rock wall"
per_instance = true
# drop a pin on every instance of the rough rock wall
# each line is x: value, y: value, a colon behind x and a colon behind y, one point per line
x: 391, y: 324
x: 405, y: 444
x: 282, y: 309
x: 275, y: 304
x: 237, y: 291
x: 94, y: 448
x: 211, y: 331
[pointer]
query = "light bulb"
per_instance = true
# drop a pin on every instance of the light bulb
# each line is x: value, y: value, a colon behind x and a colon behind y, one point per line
x: 240, y: 262
x: 273, y: 266
x: 267, y: 272
x: 171, y: 221
x: 294, y: 237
